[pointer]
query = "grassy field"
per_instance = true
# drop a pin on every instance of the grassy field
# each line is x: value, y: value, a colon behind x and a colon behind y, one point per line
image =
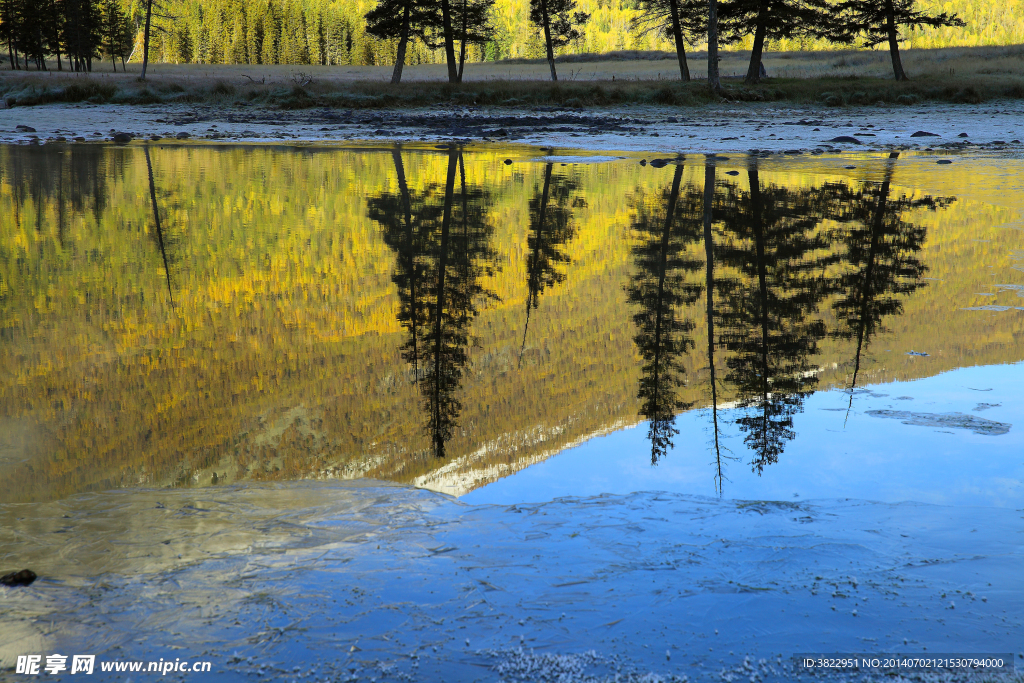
x: 834, y: 78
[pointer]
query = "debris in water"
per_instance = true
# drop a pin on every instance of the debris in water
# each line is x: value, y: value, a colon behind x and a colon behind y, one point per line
x: 916, y: 353
x: 978, y: 425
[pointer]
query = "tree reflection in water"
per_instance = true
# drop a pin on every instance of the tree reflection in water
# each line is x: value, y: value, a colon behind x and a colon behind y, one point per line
x: 880, y: 253
x: 441, y: 238
x: 773, y: 257
x: 662, y: 286
x: 551, y: 230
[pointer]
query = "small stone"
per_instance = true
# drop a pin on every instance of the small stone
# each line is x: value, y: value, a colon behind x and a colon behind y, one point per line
x: 849, y: 168
x: 182, y: 135
x: 923, y: 134
x: 732, y: 173
x: 508, y: 162
x: 122, y: 137
x: 643, y: 162
x: 25, y: 129
x: 943, y: 161
x: 25, y: 577
x: 963, y: 135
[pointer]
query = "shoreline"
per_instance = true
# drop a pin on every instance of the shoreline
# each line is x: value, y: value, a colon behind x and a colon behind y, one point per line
x: 730, y: 127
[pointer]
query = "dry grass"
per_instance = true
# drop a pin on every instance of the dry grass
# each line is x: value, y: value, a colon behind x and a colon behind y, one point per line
x: 968, y: 75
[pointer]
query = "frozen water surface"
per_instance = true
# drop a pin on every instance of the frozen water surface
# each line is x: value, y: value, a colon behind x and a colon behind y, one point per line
x: 414, y: 413
x: 366, y: 578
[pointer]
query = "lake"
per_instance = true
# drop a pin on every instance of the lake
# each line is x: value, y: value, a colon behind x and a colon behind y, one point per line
x: 535, y: 409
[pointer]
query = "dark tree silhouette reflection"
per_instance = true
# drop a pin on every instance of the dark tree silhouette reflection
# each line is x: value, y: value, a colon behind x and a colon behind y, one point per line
x: 158, y: 227
x: 769, y: 315
x: 880, y: 252
x: 441, y: 238
x: 667, y: 227
x: 711, y: 285
x: 551, y: 230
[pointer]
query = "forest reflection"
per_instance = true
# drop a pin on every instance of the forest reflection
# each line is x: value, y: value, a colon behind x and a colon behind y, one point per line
x: 771, y: 256
x: 441, y: 239
x: 763, y: 256
x: 432, y: 315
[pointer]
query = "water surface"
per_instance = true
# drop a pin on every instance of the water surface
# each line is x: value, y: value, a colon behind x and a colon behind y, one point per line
x: 189, y: 315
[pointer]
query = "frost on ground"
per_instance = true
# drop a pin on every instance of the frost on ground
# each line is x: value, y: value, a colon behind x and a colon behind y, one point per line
x: 360, y: 581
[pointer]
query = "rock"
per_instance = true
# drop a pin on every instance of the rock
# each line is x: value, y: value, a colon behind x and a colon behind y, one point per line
x: 923, y: 134
x: 845, y: 138
x: 793, y: 151
x: 23, y: 578
x: 182, y: 135
x: 508, y: 162
x: 643, y: 162
x: 849, y: 168
x: 660, y: 163
x: 963, y: 135
x: 732, y: 173
x: 154, y: 138
x: 122, y: 137
x: 24, y: 129
x: 943, y: 161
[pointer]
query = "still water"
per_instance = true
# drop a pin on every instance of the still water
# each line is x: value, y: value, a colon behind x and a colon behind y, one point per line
x: 697, y: 414
x: 511, y: 324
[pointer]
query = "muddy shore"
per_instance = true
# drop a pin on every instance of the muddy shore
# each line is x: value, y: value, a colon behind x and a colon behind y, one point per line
x: 719, y: 128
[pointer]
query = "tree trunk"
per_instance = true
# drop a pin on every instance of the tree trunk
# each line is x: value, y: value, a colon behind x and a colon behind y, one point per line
x: 547, y: 38
x: 10, y: 55
x: 449, y: 42
x: 145, y: 39
x: 403, y: 42
x: 754, y: 70
x: 894, y: 47
x: 713, y: 80
x: 462, y: 41
x: 677, y: 32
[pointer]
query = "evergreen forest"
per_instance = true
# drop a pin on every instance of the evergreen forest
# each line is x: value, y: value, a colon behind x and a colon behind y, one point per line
x: 72, y: 34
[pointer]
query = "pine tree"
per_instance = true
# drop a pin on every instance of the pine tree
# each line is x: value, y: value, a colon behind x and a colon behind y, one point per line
x: 774, y: 20
x: 83, y: 32
x: 879, y: 21
x: 560, y: 22
x: 401, y: 19
x: 470, y: 24
x: 8, y: 30
x: 682, y: 21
